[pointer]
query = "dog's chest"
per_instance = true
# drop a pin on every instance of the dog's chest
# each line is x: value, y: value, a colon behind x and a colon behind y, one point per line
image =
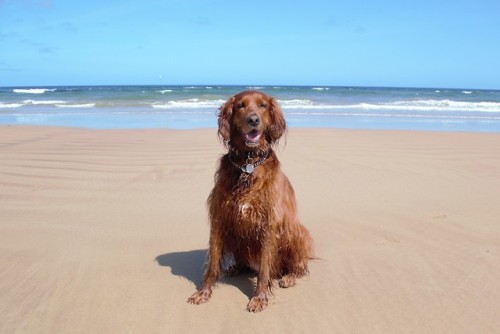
x: 249, y: 207
x: 244, y: 209
x: 248, y: 212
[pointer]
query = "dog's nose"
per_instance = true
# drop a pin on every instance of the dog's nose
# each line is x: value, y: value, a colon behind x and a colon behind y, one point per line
x: 253, y: 120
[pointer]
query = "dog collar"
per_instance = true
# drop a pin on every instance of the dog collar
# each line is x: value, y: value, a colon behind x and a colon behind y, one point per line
x: 249, y: 167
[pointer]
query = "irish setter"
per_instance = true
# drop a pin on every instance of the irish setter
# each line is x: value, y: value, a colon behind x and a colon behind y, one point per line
x: 252, y: 210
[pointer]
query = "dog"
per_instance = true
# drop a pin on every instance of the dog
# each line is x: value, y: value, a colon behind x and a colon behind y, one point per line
x: 252, y: 207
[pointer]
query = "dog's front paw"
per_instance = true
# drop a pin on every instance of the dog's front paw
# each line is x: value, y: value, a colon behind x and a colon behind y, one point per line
x: 200, y: 297
x: 287, y: 281
x: 257, y: 304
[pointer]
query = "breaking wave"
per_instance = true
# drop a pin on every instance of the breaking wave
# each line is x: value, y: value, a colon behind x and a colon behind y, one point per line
x: 33, y: 90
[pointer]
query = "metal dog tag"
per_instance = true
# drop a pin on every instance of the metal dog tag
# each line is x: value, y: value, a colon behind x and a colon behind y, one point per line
x: 248, y: 168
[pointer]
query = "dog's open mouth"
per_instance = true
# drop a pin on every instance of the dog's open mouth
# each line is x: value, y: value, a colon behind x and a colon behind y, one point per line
x: 252, y: 138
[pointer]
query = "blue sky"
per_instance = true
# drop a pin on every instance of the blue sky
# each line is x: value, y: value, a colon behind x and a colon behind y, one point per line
x: 425, y: 43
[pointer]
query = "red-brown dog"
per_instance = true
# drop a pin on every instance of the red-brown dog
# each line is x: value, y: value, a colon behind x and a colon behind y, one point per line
x: 252, y: 208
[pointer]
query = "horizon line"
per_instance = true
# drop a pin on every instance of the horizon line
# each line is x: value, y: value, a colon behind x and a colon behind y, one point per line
x: 246, y: 85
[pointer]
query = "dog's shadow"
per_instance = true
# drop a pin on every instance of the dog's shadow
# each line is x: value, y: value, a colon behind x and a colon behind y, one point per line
x: 190, y: 265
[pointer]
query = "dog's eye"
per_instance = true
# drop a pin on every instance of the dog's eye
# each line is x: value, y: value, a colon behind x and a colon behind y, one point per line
x: 263, y: 105
x: 240, y: 105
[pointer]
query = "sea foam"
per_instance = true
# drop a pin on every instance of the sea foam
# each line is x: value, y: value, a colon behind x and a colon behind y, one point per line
x: 43, y: 102
x: 188, y: 104
x: 83, y: 105
x: 418, y: 105
x: 33, y: 90
x: 445, y: 105
x: 10, y: 105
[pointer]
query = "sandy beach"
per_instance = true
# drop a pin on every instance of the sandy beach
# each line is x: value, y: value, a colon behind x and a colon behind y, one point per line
x: 105, y: 231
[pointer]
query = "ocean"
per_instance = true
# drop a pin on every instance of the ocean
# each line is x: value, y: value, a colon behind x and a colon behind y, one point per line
x: 189, y: 107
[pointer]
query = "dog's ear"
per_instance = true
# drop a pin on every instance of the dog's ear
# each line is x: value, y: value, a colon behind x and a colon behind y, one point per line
x: 224, y: 119
x: 278, y: 124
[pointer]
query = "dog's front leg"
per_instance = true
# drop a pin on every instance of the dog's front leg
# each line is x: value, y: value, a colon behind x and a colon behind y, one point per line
x: 212, y: 270
x: 259, y: 300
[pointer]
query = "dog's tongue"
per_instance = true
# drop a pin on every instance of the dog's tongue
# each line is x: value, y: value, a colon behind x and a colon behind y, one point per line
x: 253, y: 135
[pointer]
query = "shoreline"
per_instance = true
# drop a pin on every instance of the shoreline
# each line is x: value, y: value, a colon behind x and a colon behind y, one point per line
x: 208, y: 120
x: 192, y: 107
x: 106, y: 231
x: 289, y: 129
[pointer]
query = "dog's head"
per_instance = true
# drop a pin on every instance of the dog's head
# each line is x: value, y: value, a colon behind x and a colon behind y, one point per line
x: 251, y: 121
